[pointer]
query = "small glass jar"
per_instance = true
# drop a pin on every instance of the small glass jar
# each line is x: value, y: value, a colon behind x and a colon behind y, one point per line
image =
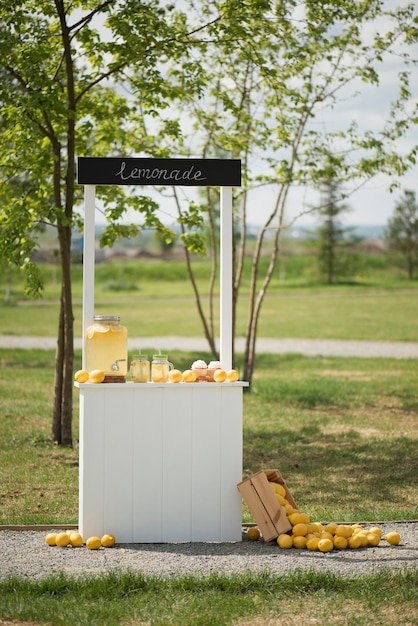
x: 160, y: 368
x: 140, y: 369
x: 106, y: 347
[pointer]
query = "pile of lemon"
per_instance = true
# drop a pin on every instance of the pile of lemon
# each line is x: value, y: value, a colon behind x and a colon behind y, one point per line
x: 73, y: 539
x: 315, y: 536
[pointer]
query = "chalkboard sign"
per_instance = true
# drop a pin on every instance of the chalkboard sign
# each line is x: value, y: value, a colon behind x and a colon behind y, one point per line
x: 161, y: 172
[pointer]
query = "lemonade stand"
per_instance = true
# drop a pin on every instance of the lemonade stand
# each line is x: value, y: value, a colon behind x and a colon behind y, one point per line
x: 160, y: 462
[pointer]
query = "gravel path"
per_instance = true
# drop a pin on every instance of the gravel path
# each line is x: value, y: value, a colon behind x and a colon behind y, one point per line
x: 25, y: 553
x: 309, y: 347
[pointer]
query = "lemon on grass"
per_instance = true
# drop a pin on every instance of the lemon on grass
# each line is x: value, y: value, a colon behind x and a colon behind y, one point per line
x: 62, y: 540
x: 393, y: 538
x: 253, y: 534
x: 93, y: 543
x: 284, y: 541
x: 51, y: 539
x: 108, y: 540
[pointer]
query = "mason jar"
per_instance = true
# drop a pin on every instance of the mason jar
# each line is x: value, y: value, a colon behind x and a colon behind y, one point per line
x: 140, y: 369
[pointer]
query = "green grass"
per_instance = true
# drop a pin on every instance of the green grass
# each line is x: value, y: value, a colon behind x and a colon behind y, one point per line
x: 238, y: 600
x: 328, y: 424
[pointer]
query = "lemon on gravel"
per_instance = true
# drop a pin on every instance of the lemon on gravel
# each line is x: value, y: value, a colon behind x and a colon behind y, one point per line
x: 76, y: 540
x: 331, y: 527
x: 51, y: 539
x: 175, y: 376
x: 354, y: 541
x: 300, y: 530
x: 299, y: 542
x: 93, y: 543
x: 373, y: 539
x: 284, y: 541
x: 298, y: 518
x: 81, y: 376
x: 219, y: 376
x: 393, y: 538
x: 253, y: 534
x: 326, y: 535
x: 325, y: 545
x: 363, y: 538
x: 312, y: 543
x: 189, y: 376
x: 96, y: 376
x: 343, y: 530
x: 62, y: 540
x: 340, y: 542
x: 108, y: 540
x: 377, y: 530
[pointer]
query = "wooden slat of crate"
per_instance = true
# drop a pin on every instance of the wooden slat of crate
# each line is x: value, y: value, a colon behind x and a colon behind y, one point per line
x: 271, y: 518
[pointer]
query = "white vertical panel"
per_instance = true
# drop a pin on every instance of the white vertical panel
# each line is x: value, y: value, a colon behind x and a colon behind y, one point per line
x: 206, y: 464
x: 92, y: 450
x: 147, y: 437
x: 89, y: 247
x: 118, y: 470
x: 231, y: 471
x: 177, y: 467
x: 226, y: 270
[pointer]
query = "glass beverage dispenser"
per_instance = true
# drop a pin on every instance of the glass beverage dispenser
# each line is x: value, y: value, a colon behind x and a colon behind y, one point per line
x: 106, y: 347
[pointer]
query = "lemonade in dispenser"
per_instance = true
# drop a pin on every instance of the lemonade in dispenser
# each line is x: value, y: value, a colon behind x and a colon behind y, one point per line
x: 106, y: 347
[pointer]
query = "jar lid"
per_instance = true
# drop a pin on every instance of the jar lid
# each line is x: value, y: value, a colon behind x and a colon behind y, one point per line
x: 107, y: 318
x: 140, y: 356
x: 159, y: 356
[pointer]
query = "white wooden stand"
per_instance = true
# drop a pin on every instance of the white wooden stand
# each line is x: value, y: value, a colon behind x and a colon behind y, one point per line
x: 161, y: 463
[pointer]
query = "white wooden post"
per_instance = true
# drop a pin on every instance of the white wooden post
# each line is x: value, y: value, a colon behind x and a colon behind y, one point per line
x: 226, y: 339
x: 89, y: 248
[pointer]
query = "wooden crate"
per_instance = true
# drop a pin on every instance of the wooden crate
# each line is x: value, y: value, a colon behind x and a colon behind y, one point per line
x: 269, y: 515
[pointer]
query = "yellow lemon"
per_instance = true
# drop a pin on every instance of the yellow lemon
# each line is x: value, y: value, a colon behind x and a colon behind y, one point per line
x: 299, y: 542
x: 300, y: 530
x: 363, y: 539
x: 331, y: 528
x: 373, y: 539
x: 284, y: 541
x: 219, y: 376
x: 278, y: 489
x: 393, y: 538
x: 356, y: 527
x: 289, y: 509
x: 51, y: 539
x: 319, y: 527
x: 96, y: 376
x: 62, y: 540
x: 76, y: 539
x: 108, y: 540
x: 93, y: 543
x: 312, y: 543
x: 81, y: 376
x: 326, y: 535
x: 354, y: 541
x: 232, y: 376
x: 282, y: 501
x: 377, y: 531
x: 253, y: 534
x: 189, y: 376
x: 175, y: 376
x: 340, y: 542
x: 343, y: 530
x: 298, y: 518
x: 325, y: 545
